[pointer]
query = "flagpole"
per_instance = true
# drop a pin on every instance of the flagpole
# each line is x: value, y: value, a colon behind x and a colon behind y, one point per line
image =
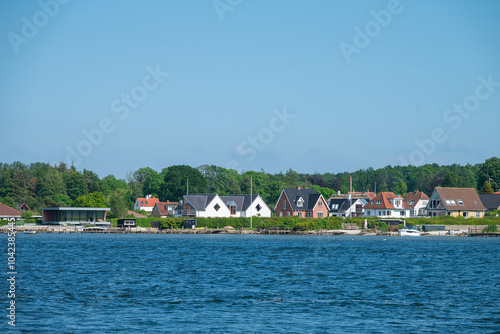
x: 251, y: 203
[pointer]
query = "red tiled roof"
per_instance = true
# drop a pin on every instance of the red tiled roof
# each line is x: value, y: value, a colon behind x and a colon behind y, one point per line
x: 7, y: 211
x: 162, y: 207
x: 385, y: 203
x: 148, y: 202
x: 414, y: 196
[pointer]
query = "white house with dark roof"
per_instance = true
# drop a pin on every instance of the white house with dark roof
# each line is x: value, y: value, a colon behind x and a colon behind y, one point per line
x: 246, y: 206
x: 202, y: 205
x: 345, y: 207
x: 455, y: 202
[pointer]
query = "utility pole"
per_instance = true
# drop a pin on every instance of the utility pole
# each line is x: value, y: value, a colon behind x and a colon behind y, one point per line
x: 251, y: 200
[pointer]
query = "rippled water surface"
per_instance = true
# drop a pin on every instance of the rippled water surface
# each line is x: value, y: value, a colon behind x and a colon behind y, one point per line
x: 238, y: 283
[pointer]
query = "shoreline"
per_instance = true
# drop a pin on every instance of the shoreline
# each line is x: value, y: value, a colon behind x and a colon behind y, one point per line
x: 47, y: 229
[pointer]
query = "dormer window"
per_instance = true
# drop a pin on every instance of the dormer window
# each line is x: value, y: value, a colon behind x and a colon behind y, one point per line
x: 335, y: 206
x: 460, y: 202
x: 378, y: 202
x: 300, y: 202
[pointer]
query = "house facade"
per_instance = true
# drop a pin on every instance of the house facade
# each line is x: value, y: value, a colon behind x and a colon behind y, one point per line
x: 387, y: 205
x: 456, y: 202
x: 417, y: 201
x: 246, y: 206
x: 301, y: 203
x: 147, y: 204
x: 202, y: 205
x: 344, y: 207
x: 164, y: 209
x: 74, y: 216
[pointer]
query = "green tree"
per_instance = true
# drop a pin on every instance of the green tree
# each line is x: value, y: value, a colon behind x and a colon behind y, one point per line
x: 62, y: 200
x: 400, y: 188
x: 92, y: 200
x: 51, y: 184
x: 175, y: 181
x: 76, y: 184
x: 489, y: 169
x: 487, y: 189
x: 118, y: 202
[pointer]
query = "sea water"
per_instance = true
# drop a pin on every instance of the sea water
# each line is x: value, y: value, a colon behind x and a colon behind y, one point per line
x: 130, y: 283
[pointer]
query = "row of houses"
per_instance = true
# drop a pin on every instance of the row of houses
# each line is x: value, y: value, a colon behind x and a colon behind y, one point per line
x: 463, y: 202
x: 206, y: 205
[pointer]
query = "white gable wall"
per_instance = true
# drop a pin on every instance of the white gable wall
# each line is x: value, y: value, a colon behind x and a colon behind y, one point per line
x: 264, y: 211
x: 211, y: 212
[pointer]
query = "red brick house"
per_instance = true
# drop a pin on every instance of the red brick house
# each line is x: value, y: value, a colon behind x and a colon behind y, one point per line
x: 301, y: 203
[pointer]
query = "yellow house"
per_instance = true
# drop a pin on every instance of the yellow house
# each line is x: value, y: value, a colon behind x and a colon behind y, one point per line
x: 455, y: 202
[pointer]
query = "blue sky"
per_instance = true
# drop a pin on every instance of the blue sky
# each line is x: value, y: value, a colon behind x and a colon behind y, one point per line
x: 233, y: 67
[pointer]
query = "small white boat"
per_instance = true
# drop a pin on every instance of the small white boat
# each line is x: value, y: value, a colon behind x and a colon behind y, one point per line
x: 30, y: 232
x: 409, y: 231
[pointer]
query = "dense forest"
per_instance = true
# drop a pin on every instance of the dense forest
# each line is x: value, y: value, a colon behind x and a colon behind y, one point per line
x: 42, y: 185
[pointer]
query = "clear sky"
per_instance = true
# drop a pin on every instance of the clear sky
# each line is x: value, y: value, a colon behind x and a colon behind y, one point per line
x: 325, y: 85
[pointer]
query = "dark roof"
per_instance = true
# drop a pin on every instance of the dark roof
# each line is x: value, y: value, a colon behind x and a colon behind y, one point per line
x: 7, y: 211
x: 199, y: 201
x: 242, y: 201
x: 490, y: 201
x: 467, y: 195
x: 309, y: 196
x: 343, y: 204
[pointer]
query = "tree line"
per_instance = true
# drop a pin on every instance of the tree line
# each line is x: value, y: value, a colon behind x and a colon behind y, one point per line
x: 43, y: 185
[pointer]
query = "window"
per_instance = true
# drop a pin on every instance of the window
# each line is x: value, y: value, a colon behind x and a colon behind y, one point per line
x: 142, y: 202
x: 320, y: 214
x: 299, y: 214
x: 335, y: 206
x: 460, y: 202
x: 233, y: 210
x: 288, y: 214
x: 380, y: 213
x: 403, y: 213
x: 300, y: 202
x: 465, y: 214
x: 258, y: 208
x: 320, y: 203
x: 281, y: 213
x: 146, y: 202
x: 308, y: 214
x: 411, y: 203
x: 450, y: 202
x: 378, y: 202
x: 217, y: 207
x: 284, y: 205
x: 475, y: 202
x: 478, y: 215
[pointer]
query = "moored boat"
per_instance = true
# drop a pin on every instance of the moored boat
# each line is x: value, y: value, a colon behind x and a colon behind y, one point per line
x: 409, y: 231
